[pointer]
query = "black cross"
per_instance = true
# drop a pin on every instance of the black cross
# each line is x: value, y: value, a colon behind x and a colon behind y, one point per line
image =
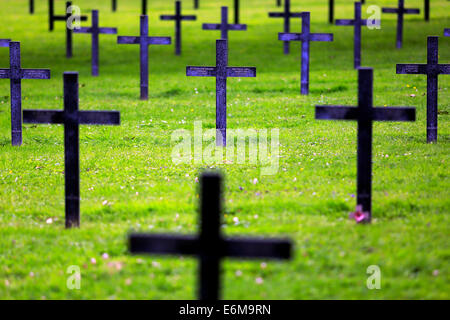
x: 15, y: 73
x: 305, y: 37
x: 178, y: 17
x: 5, y: 42
x: 357, y: 23
x: 144, y: 41
x: 224, y: 26
x: 286, y: 15
x: 221, y: 72
x: 331, y: 10
x: 400, y: 11
x: 446, y: 32
x: 114, y: 5
x: 65, y: 18
x: 210, y: 246
x: 432, y: 69
x: 71, y: 118
x: 365, y: 114
x: 196, y: 4
x: 95, y: 30
x: 31, y: 6
x: 427, y: 10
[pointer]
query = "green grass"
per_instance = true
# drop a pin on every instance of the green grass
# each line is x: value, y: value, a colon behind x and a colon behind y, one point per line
x: 128, y: 180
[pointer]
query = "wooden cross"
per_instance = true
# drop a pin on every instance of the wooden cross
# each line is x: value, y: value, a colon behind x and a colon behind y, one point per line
x: 286, y: 15
x: 114, y: 5
x: 65, y: 18
x: 144, y: 41
x: 5, y: 42
x: 305, y: 37
x: 71, y: 118
x: 221, y: 72
x: 446, y: 32
x: 357, y: 23
x: 427, y: 10
x: 224, y: 26
x: 95, y: 31
x: 31, y: 6
x: 432, y: 69
x: 15, y: 73
x: 178, y: 17
x: 400, y: 11
x: 365, y: 114
x: 210, y: 246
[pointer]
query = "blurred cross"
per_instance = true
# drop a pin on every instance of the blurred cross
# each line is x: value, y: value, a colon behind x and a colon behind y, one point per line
x: 365, y: 114
x: 305, y: 37
x: 196, y: 4
x: 15, y: 73
x: 66, y: 18
x: 114, y: 5
x: 432, y: 69
x: 221, y: 72
x: 210, y: 246
x: 400, y: 11
x: 71, y: 118
x: 286, y: 15
x: 178, y: 17
x: 31, y: 6
x: 144, y: 41
x: 95, y: 31
x: 224, y: 26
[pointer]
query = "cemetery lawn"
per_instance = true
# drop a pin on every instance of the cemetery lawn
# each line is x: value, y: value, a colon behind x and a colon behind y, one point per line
x: 129, y: 182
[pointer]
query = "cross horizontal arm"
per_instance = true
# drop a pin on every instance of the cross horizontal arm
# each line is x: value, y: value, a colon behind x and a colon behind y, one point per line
x: 336, y: 113
x: 128, y: 40
x: 201, y: 71
x: 276, y: 14
x: 321, y: 37
x: 444, y: 68
x: 241, y: 72
x: 4, y: 42
x: 82, y: 30
x: 99, y: 117
x: 35, y: 74
x: 289, y: 36
x: 159, y: 40
x: 389, y: 10
x: 412, y: 11
x: 394, y: 114
x: 163, y: 244
x: 190, y: 18
x: 5, y: 73
x: 43, y: 116
x: 257, y: 248
x: 108, y: 30
x: 210, y: 26
x: 411, y: 68
x: 237, y: 27
x: 345, y: 22
x: 167, y: 17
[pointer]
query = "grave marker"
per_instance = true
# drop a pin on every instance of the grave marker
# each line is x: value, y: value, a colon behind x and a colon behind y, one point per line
x: 432, y: 69
x: 71, y: 118
x: 65, y: 18
x: 178, y: 17
x: 286, y: 15
x: 365, y: 114
x: 400, y: 11
x: 221, y: 72
x: 144, y: 41
x: 210, y: 246
x: 95, y: 31
x: 357, y: 23
x: 305, y: 37
x: 15, y: 73
x: 224, y: 26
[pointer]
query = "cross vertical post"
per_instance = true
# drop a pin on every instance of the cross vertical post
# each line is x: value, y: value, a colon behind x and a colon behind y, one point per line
x: 236, y: 11
x: 210, y: 246
x: 15, y: 73
x: 224, y: 24
x: 114, y: 5
x: 71, y: 117
x: 427, y: 10
x: 365, y: 114
x: 144, y: 7
x: 331, y: 11
x: 432, y: 69
x: 196, y: 4
x: 31, y: 6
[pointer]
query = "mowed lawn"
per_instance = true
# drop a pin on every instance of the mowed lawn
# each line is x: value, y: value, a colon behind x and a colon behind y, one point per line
x: 129, y: 182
